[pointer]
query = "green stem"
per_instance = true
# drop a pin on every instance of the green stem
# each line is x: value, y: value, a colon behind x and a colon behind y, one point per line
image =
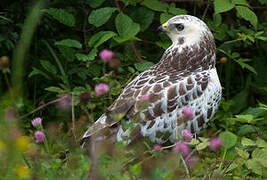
x: 224, y: 154
x: 61, y: 69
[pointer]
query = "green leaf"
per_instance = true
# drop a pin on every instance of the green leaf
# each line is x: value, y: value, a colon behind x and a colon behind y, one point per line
x: 36, y: 71
x: 228, y: 139
x: 69, y: 43
x: 245, y: 65
x: 48, y: 66
x: 100, y: 16
x: 244, y: 118
x: 95, y: 3
x: 55, y: 89
x: 135, y: 169
x: 143, y: 16
x: 246, y: 129
x: 240, y: 2
x: 100, y: 37
x: 155, y: 5
x: 143, y: 66
x: 126, y: 27
x: 263, y: 1
x: 177, y: 11
x: 247, y: 142
x: 67, y: 53
x: 255, y: 166
x: 89, y: 57
x: 247, y: 14
x: 62, y: 16
x: 165, y: 17
x: 202, y: 145
x: 261, y: 143
x: 194, y: 141
x: 242, y: 153
x: 261, y: 156
x: 231, y: 167
x: 222, y: 6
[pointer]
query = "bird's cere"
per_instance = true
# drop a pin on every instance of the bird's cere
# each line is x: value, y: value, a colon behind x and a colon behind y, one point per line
x: 101, y: 89
x: 181, y: 147
x: 187, y: 135
x: 106, y: 55
x: 157, y: 148
x: 215, y: 144
x: 39, y: 136
x: 37, y: 122
x: 188, y: 113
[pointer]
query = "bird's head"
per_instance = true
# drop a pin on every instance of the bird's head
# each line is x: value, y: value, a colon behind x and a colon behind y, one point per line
x: 186, y: 30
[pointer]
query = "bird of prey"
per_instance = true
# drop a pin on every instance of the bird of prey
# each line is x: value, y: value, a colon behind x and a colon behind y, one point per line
x: 185, y: 76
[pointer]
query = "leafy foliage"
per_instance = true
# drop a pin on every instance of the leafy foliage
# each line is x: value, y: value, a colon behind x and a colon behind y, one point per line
x: 54, y: 59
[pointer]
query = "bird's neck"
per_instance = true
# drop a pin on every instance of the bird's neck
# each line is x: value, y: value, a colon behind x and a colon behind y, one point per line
x: 194, y: 57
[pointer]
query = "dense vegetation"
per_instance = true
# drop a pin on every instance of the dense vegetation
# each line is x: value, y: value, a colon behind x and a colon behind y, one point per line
x: 50, y: 66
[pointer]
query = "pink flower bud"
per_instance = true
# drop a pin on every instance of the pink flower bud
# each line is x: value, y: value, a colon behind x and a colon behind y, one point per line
x: 39, y: 136
x: 101, y: 89
x: 188, y: 113
x: 157, y: 148
x: 144, y: 98
x: 106, y: 55
x: 37, y: 121
x: 181, y: 147
x: 187, y: 135
x: 215, y: 144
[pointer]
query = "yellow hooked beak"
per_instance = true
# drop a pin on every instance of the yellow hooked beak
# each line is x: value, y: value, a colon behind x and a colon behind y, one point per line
x: 163, y: 27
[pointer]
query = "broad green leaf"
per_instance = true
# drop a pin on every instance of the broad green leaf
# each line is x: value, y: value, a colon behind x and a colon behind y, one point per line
x: 194, y: 141
x: 228, y: 139
x: 240, y: 101
x: 69, y: 43
x: 100, y: 37
x: 247, y: 14
x: 155, y: 5
x: 165, y: 17
x: 247, y: 142
x: 36, y: 71
x: 48, y: 66
x: 95, y: 3
x: 55, y: 89
x: 125, y: 26
x: 177, y: 11
x: 100, y: 16
x: 67, y: 52
x: 223, y: 6
x: 143, y: 66
x: 261, y: 156
x: 246, y: 129
x: 62, y: 16
x: 91, y: 56
x: 240, y: 2
x: 244, y: 118
x: 261, y: 143
x: 143, y: 16
x: 242, y: 153
x: 255, y: 166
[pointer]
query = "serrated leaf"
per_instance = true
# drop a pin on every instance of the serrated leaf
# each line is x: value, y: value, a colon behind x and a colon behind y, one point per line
x: 222, y: 6
x: 255, y: 166
x: 247, y: 142
x: 100, y: 16
x: 55, y: 89
x: 95, y: 3
x: 143, y: 16
x: 155, y: 5
x: 62, y: 16
x: 165, y: 17
x: 261, y: 143
x: 228, y: 139
x: 126, y: 27
x: 36, y: 71
x: 143, y: 66
x: 261, y: 156
x: 247, y: 14
x: 100, y: 37
x: 49, y: 66
x: 69, y: 43
x: 242, y: 153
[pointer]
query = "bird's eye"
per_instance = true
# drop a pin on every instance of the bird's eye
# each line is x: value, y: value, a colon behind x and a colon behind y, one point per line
x: 179, y: 27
